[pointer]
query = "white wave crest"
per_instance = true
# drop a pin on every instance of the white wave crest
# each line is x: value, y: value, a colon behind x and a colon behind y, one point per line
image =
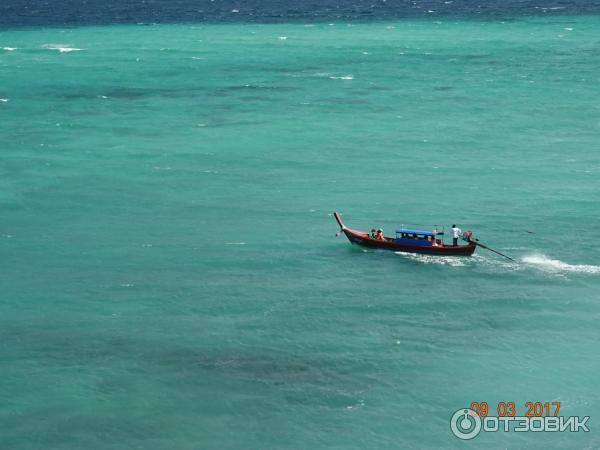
x: 9, y: 49
x: 556, y: 265
x: 62, y: 48
x: 345, y: 77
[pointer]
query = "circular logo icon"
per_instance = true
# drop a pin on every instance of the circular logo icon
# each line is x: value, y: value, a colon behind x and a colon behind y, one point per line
x: 465, y: 424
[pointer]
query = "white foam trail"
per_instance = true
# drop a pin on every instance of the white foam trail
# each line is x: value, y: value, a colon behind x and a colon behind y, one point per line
x: 433, y: 259
x: 235, y: 243
x: 9, y: 49
x: 556, y: 265
x: 62, y: 48
x: 345, y: 77
x: 3, y: 100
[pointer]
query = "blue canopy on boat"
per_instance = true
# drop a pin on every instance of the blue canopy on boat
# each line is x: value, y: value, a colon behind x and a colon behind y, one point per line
x: 419, y: 232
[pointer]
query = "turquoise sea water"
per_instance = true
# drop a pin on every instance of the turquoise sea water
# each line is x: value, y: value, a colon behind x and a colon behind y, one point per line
x: 170, y: 273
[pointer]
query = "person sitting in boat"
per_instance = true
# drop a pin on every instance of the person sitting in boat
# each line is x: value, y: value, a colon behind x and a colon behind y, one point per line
x: 455, y: 234
x: 373, y: 233
x: 379, y: 236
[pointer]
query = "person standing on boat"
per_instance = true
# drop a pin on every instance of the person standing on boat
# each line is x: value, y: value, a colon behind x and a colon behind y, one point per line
x: 433, y: 239
x: 455, y: 234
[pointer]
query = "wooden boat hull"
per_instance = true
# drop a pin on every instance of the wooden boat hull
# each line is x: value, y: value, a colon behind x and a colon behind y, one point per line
x: 365, y: 240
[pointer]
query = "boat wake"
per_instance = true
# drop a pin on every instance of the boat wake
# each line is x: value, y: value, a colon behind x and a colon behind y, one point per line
x: 434, y: 259
x: 554, y: 265
x: 493, y: 262
x: 537, y: 261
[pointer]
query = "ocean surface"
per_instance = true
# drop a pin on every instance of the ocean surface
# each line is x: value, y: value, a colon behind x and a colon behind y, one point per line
x: 170, y: 276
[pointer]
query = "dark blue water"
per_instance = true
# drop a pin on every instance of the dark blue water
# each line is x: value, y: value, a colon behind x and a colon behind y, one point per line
x: 77, y: 12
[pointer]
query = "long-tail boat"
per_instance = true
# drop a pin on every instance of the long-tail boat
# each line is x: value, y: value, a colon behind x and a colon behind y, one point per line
x: 409, y: 240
